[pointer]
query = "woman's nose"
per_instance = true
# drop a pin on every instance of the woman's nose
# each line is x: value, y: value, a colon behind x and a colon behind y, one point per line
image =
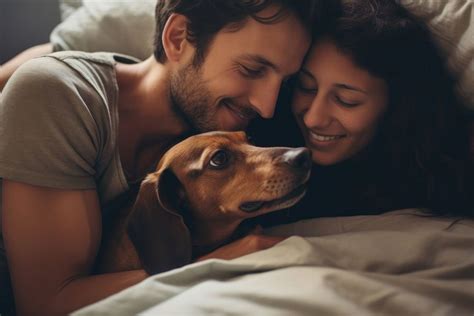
x: 318, y: 115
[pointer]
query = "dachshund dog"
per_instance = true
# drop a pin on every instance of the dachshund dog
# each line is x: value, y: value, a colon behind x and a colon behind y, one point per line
x: 202, y: 190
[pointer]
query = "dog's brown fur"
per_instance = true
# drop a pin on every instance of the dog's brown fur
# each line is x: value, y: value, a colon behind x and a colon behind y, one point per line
x: 190, y: 206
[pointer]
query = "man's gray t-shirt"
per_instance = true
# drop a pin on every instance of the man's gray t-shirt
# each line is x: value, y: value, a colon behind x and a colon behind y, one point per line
x: 58, y: 124
x: 59, y: 127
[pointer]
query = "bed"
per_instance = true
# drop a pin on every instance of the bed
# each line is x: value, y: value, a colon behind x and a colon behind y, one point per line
x: 399, y: 263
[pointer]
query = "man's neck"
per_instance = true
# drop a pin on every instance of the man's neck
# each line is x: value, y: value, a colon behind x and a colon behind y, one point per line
x: 147, y: 122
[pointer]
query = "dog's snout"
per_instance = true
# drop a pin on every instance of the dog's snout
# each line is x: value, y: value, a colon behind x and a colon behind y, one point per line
x: 299, y: 158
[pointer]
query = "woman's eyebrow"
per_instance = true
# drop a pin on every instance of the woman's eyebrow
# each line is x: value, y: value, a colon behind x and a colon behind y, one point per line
x: 349, y: 87
x: 307, y: 73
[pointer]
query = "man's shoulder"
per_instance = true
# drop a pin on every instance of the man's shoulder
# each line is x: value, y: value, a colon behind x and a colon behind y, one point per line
x: 65, y: 73
x: 64, y: 66
x: 68, y: 57
x: 42, y: 69
x: 106, y: 59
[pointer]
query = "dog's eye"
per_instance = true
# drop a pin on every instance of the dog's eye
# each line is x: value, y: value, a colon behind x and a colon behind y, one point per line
x: 219, y: 160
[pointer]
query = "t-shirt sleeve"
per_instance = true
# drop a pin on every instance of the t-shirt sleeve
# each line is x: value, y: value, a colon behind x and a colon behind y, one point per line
x: 48, y: 134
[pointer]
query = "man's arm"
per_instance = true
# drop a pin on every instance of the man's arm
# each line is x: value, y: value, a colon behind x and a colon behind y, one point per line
x: 51, y: 239
x: 7, y: 69
x: 254, y: 241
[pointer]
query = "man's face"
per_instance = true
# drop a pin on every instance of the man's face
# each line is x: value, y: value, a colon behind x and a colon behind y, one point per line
x: 241, y: 74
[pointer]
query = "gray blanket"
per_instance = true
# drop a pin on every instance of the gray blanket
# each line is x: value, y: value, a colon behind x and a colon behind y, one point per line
x: 398, y: 263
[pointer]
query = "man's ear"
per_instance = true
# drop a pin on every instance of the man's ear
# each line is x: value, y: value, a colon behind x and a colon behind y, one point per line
x: 175, y: 37
x: 156, y: 228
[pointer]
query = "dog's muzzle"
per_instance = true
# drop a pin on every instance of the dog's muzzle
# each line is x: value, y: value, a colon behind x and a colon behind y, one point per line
x: 299, y: 161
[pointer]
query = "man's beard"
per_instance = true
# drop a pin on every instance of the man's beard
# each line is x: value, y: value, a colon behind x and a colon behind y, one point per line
x: 191, y: 99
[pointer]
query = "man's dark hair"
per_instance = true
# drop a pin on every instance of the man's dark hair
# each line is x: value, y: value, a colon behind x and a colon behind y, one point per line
x: 208, y: 17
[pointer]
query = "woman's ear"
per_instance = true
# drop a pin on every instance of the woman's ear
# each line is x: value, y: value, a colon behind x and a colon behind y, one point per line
x: 175, y: 37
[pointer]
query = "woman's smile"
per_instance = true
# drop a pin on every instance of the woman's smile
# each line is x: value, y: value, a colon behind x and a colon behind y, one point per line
x: 327, y: 143
x: 324, y: 137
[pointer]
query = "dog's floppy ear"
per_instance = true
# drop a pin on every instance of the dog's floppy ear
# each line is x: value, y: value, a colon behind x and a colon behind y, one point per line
x: 156, y: 228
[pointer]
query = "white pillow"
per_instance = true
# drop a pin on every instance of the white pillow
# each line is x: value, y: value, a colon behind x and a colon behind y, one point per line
x: 121, y: 26
x: 452, y: 23
x: 67, y: 7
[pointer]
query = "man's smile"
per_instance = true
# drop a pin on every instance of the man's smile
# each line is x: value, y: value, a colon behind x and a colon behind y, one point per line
x: 241, y: 115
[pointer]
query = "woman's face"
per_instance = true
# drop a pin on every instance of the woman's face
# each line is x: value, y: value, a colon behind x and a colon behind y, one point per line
x: 337, y: 104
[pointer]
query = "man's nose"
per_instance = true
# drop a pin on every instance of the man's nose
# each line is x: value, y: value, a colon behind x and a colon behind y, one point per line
x: 319, y: 113
x: 264, y: 97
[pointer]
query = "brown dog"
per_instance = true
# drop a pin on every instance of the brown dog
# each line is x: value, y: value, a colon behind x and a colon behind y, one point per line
x: 204, y: 187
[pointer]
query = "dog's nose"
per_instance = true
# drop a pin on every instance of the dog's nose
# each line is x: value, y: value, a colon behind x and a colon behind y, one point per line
x: 298, y: 158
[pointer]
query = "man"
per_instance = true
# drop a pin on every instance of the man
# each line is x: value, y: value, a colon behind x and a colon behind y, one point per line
x: 78, y: 129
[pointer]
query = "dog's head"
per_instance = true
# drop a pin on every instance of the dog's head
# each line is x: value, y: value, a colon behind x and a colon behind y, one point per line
x: 215, y: 177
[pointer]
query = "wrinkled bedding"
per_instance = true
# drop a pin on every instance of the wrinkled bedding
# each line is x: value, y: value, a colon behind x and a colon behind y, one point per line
x: 398, y: 263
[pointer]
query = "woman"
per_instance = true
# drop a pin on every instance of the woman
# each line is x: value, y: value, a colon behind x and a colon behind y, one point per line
x: 377, y: 108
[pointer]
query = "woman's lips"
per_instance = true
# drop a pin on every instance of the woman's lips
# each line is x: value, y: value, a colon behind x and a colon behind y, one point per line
x: 324, y: 138
x: 321, y: 141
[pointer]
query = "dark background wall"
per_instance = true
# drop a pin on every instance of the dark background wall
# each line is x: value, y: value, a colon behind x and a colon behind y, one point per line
x: 25, y: 23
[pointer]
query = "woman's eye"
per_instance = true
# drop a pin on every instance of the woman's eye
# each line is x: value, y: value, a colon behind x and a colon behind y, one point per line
x: 345, y: 103
x: 307, y: 90
x: 303, y: 86
x: 219, y: 160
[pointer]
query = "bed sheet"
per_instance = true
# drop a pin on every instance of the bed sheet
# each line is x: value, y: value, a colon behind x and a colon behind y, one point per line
x: 398, y: 263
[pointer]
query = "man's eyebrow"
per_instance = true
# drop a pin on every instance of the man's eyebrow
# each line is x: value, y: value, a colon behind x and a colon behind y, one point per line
x: 260, y: 60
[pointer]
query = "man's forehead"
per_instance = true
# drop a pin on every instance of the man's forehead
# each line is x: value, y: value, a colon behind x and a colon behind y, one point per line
x: 273, y: 44
x: 279, y: 45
